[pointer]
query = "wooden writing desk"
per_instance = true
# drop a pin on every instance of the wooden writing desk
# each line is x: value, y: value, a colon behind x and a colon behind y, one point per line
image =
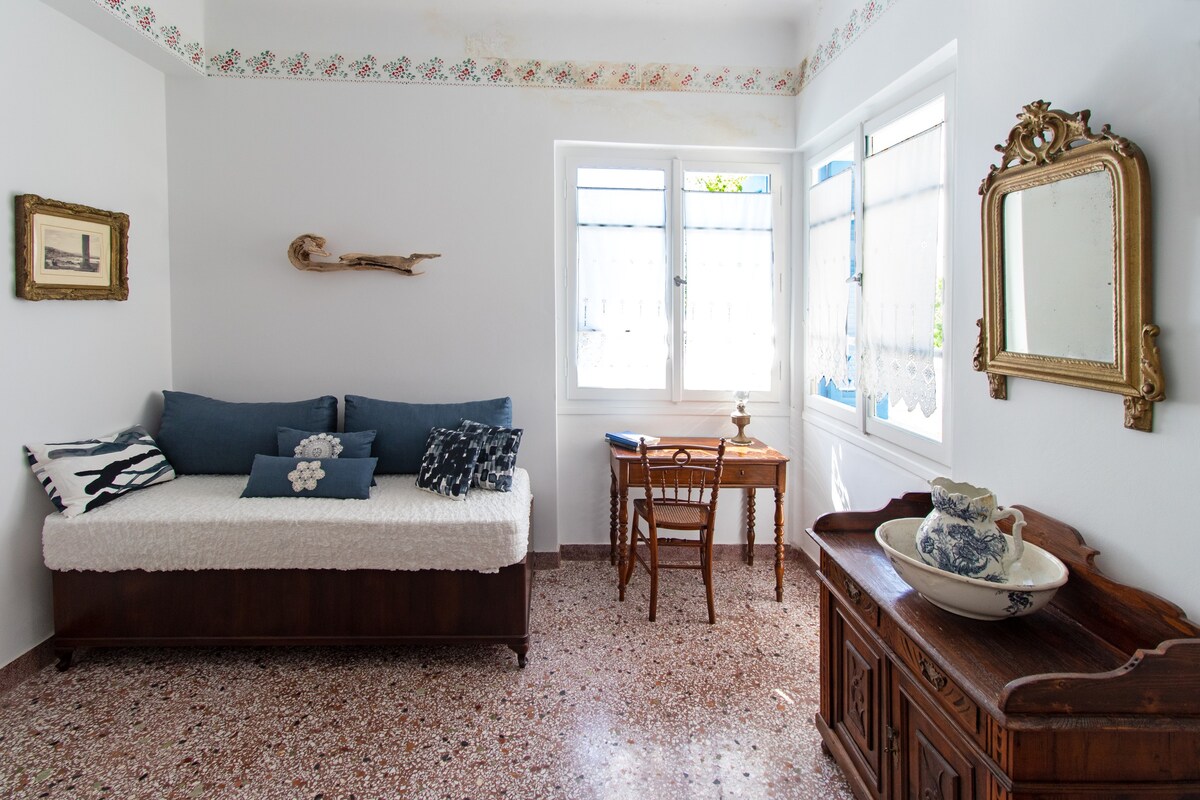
x: 749, y: 467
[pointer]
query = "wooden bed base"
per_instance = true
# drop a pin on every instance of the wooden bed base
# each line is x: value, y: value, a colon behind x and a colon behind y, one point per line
x: 136, y: 608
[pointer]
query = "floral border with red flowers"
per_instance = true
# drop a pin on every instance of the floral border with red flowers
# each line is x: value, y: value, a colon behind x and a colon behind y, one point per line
x: 435, y: 71
x: 144, y: 19
x: 860, y: 19
x: 505, y: 72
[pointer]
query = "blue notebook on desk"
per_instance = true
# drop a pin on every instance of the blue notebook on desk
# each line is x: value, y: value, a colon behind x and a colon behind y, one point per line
x: 629, y: 439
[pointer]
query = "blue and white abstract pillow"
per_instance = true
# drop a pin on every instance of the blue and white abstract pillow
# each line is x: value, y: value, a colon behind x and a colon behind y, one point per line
x: 80, y: 476
x: 449, y: 462
x: 497, y: 454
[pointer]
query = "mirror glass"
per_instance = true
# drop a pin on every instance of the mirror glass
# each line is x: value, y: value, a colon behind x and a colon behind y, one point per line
x: 1059, y: 268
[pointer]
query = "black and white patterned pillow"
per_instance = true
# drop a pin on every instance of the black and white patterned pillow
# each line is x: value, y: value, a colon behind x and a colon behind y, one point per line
x: 497, y: 455
x: 80, y: 476
x: 449, y: 462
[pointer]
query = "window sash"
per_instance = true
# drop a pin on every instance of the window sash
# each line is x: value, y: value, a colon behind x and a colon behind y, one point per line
x: 729, y: 247
x: 869, y: 416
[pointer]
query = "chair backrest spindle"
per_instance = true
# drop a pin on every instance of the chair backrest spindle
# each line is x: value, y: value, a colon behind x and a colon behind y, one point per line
x: 674, y: 473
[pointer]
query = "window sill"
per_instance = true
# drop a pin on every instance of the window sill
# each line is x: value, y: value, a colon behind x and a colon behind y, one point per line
x: 922, y: 467
x: 685, y: 408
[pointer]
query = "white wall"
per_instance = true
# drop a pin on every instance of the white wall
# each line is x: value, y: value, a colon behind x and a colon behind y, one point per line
x: 85, y: 124
x: 1058, y: 449
x: 465, y: 172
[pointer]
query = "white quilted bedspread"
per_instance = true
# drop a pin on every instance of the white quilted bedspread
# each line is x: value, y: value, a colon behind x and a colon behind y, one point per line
x: 200, y: 522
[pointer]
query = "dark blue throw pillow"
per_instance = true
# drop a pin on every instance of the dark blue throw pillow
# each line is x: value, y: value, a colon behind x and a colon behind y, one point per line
x: 324, y: 444
x: 497, y: 455
x: 403, y: 428
x: 340, y: 478
x: 203, y: 436
x: 448, y: 465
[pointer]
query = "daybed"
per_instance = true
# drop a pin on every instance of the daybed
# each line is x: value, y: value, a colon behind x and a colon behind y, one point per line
x: 191, y: 561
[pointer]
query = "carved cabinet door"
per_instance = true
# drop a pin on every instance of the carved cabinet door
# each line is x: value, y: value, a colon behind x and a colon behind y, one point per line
x: 857, y: 707
x: 933, y: 760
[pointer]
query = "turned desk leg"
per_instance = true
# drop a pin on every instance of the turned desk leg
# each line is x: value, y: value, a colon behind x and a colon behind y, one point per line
x: 750, y: 526
x: 612, y: 518
x: 622, y: 520
x: 778, y: 545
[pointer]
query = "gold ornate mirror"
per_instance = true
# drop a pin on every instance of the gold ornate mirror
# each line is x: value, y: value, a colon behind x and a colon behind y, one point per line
x: 1066, y: 262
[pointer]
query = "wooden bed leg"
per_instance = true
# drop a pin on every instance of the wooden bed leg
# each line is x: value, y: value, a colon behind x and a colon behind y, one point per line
x: 64, y: 656
x: 520, y: 650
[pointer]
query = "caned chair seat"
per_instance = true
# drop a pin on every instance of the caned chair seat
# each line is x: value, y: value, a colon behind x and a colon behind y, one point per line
x: 682, y: 516
x: 681, y: 484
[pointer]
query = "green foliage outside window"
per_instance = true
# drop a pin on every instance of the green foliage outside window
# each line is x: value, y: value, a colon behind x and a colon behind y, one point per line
x: 721, y: 183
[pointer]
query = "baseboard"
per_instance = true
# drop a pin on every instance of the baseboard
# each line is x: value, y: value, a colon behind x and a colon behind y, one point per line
x: 585, y: 552
x: 721, y: 552
x: 25, y: 665
x: 547, y: 560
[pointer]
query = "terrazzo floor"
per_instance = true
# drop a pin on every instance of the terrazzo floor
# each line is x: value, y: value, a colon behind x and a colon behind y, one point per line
x: 611, y: 706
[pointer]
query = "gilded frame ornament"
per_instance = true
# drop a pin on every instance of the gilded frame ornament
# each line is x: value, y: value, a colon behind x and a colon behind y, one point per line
x: 1048, y: 145
x: 67, y: 251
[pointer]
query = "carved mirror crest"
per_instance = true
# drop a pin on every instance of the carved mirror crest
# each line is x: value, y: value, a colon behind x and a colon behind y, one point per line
x: 1066, y: 262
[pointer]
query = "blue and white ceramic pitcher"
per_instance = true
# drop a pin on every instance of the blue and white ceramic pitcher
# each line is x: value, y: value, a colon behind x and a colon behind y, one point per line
x: 960, y: 534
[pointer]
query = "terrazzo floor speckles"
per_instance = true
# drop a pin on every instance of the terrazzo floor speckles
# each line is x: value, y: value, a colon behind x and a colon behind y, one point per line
x: 611, y: 706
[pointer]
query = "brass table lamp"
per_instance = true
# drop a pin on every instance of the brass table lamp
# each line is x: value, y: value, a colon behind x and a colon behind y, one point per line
x: 740, y: 418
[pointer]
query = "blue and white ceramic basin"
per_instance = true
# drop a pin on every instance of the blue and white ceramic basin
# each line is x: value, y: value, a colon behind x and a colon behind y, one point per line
x: 1029, y: 585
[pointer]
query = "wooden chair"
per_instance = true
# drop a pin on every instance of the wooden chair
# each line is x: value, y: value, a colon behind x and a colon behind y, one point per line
x: 681, y: 495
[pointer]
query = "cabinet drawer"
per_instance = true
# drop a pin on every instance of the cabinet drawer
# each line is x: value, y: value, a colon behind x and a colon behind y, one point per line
x: 748, y: 475
x: 934, y: 680
x: 851, y: 594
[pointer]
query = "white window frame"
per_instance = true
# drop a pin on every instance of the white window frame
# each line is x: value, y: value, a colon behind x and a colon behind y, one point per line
x: 674, y: 161
x: 859, y: 422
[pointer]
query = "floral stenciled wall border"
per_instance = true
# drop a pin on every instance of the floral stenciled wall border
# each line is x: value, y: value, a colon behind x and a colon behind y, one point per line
x: 505, y: 72
x: 144, y: 19
x: 232, y: 62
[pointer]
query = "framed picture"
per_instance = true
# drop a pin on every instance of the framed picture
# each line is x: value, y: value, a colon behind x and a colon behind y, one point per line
x: 67, y: 251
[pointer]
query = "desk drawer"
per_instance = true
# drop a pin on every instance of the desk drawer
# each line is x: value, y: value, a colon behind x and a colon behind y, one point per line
x: 748, y: 475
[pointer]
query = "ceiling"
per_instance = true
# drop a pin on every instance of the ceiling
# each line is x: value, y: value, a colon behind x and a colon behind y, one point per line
x: 793, y: 11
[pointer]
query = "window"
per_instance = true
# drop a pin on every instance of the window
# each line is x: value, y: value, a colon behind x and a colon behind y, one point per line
x: 674, y: 278
x: 877, y: 242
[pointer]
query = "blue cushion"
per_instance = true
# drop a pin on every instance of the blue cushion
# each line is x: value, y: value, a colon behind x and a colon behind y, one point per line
x: 403, y: 428
x: 202, y: 436
x: 340, y: 478
x: 80, y: 476
x: 324, y: 444
x: 448, y: 464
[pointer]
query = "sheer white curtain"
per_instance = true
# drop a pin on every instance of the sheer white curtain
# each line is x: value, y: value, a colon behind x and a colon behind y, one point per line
x: 729, y: 334
x: 901, y: 210
x: 622, y: 315
x: 830, y: 215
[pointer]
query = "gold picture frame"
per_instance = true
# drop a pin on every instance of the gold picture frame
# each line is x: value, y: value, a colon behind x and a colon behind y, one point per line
x: 67, y: 251
x: 1049, y: 154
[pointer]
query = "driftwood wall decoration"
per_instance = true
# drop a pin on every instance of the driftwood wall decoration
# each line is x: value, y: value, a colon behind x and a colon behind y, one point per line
x: 307, y: 245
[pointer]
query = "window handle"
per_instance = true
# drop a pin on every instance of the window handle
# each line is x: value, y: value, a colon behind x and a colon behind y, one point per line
x: 856, y: 278
x: 679, y: 281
